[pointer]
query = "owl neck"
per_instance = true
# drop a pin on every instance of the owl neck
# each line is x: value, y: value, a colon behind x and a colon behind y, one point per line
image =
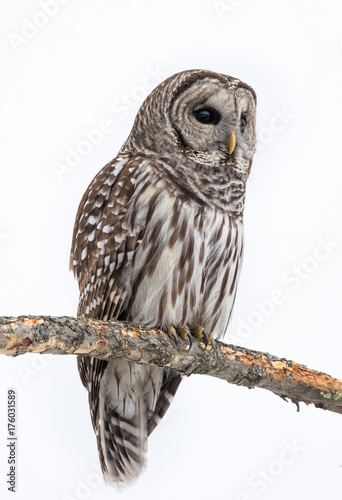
x: 217, y: 186
x: 220, y: 186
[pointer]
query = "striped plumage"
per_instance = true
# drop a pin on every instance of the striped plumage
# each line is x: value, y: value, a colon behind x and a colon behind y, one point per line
x: 158, y: 240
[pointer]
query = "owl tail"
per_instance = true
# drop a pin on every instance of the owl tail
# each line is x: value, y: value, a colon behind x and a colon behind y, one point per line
x: 122, y: 445
x: 122, y: 424
x: 127, y: 401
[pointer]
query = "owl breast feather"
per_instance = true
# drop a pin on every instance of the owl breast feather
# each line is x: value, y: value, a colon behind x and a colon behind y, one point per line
x: 187, y: 266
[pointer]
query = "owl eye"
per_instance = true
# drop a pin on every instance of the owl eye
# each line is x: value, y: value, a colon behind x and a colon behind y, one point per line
x: 208, y: 116
x: 243, y: 122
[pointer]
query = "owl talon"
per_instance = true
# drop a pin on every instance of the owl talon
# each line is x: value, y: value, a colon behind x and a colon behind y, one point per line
x: 200, y: 334
x: 190, y: 340
x: 183, y: 332
x: 171, y: 332
x: 175, y: 339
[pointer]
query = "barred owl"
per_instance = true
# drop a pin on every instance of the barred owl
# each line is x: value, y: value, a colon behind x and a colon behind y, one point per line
x: 158, y: 240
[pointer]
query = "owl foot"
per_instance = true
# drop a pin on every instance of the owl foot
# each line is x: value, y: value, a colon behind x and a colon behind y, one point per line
x: 183, y: 333
x: 186, y: 333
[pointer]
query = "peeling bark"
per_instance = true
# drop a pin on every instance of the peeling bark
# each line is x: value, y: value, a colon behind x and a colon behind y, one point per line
x: 114, y: 339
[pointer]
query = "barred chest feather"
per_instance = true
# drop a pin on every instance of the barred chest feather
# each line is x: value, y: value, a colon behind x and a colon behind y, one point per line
x: 186, y: 270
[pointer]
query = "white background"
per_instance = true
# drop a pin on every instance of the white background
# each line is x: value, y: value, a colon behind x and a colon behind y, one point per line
x: 96, y: 60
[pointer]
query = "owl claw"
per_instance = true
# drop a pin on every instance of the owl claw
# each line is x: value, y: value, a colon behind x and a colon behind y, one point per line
x: 200, y: 334
x: 209, y: 339
x: 175, y: 339
x: 171, y: 332
x: 206, y: 338
x: 190, y: 340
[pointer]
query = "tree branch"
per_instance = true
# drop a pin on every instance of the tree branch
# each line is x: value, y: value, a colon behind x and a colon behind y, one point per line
x: 114, y: 339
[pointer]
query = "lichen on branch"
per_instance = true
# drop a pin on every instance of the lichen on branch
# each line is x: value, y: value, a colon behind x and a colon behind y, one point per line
x: 115, y: 339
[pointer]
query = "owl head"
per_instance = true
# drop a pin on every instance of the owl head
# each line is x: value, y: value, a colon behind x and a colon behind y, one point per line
x: 198, y: 115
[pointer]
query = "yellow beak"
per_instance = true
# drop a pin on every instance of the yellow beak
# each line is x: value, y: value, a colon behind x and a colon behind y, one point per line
x: 231, y: 142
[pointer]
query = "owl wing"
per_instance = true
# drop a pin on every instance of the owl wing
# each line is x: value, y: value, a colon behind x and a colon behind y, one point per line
x: 170, y: 383
x: 104, y: 241
x: 102, y: 244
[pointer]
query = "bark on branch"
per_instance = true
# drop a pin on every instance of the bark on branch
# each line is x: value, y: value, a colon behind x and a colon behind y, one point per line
x: 236, y: 365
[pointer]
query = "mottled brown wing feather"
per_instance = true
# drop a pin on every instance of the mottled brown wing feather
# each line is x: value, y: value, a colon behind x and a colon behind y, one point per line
x: 170, y: 384
x: 103, y: 240
x: 92, y: 369
x: 101, y: 218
